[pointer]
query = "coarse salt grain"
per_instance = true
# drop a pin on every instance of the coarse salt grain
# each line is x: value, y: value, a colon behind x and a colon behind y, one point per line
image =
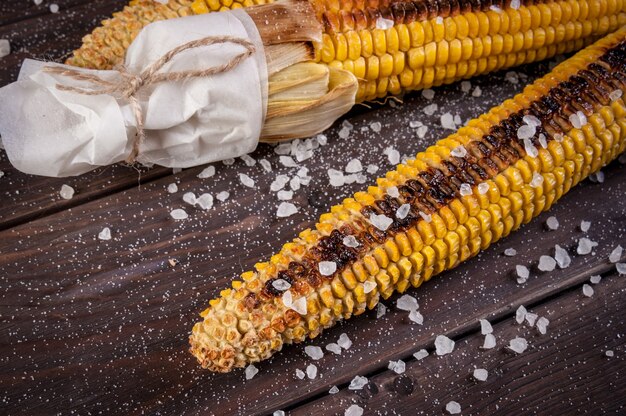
x: 609, y: 353
x: 281, y: 284
x: 477, y: 92
x: 515, y: 4
x: 207, y: 172
x: 578, y: 119
x: 454, y: 408
x: 543, y: 142
x: 105, y: 234
x: 311, y: 371
x: 368, y: 286
x: 430, y: 109
x: 393, y: 155
x: 251, y: 371
x: 480, y: 374
x: 179, y: 214
x: 278, y: 413
x: 350, y: 241
x: 615, y: 95
x: 439, y: 20
x: 357, y: 383
x: 66, y: 192
x: 616, y: 254
x: 530, y: 149
x: 381, y: 310
x: 443, y: 345
x: 287, y: 161
x: 376, y: 126
x: 621, y: 268
x: 172, y: 188
x: 403, y: 211
x: 537, y: 180
x: 552, y: 223
x: 518, y: 345
x: 525, y: 132
x: 407, y: 303
x: 294, y: 183
x: 587, y: 290
x: 393, y: 191
x: 421, y: 354
x: 512, y: 77
x: 205, y: 201
x: 485, y: 327
x: 333, y: 390
x: 520, y: 314
x: 354, y: 410
x: 489, y: 342
x: 531, y: 318
x: 522, y: 271
x: 398, y: 367
x: 189, y: 198
x: 382, y: 23
x: 299, y: 305
x: 54, y: 8
x: 354, y: 166
x: 447, y: 121
x: 595, y: 279
x: 266, y: 165
x: 416, y: 317
x: 510, y: 252
x: 428, y: 94
x: 334, y: 348
x: 426, y: 217
x: 344, y: 342
x: 546, y: 264
x: 459, y: 151
x: 246, y: 180
x: 382, y: 222
x: 562, y: 257
x: 222, y: 196
x: 300, y: 374
x: 287, y: 299
x: 248, y: 160
x: 286, y: 209
x: 327, y: 268
x: 285, y: 195
x: 483, y: 188
x: 314, y: 352
x: 466, y: 86
x: 542, y: 325
x: 585, y: 246
x: 465, y: 189
x: 344, y: 133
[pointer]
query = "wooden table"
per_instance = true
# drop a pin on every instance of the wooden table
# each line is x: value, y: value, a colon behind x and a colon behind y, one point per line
x: 89, y: 326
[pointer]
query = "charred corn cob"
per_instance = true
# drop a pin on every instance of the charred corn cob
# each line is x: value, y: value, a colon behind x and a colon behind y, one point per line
x: 393, y: 46
x: 453, y: 200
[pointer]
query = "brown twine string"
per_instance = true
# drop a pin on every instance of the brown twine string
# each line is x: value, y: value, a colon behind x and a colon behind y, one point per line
x: 129, y: 83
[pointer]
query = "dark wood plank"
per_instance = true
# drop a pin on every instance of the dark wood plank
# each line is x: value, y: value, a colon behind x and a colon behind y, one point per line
x: 105, y: 324
x: 564, y: 372
x: 13, y: 11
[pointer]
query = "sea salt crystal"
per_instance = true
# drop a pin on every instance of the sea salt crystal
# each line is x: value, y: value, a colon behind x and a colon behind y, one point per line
x: 531, y: 318
x: 382, y: 222
x: 222, y: 196
x: 546, y: 264
x: 415, y: 124
x: 344, y: 342
x: 54, y: 8
x: 426, y: 217
x: 172, y: 188
x: 520, y: 314
x: 584, y: 226
x: 518, y: 345
x: 466, y: 86
x: 281, y: 284
x: 522, y: 271
x: 357, y: 383
x: 430, y: 109
x: 279, y: 183
x: 300, y: 374
x: 207, y: 172
x: 595, y: 279
x: 5, y: 48
x: 344, y: 133
x: 480, y: 374
x: 278, y: 413
x: 562, y: 257
x: 531, y: 120
x: 530, y: 148
x: 266, y: 165
x: 485, y: 327
x: 246, y: 180
x: 398, y: 367
x: 368, y: 286
x: 287, y: 299
x: 552, y: 223
x: 490, y: 342
x: 415, y: 316
x: 67, y: 192
x: 321, y: 139
x: 286, y: 209
x: 393, y: 191
x: 542, y: 325
x: 525, y: 132
x: 587, y: 290
x: 354, y: 166
x: 251, y: 371
x: 558, y: 137
x: 609, y: 353
x: 421, y: 131
x: 105, y: 234
x: 354, y: 409
x: 616, y: 254
x: 376, y: 126
x: 443, y: 345
x: 285, y: 195
x: 190, y: 198
x: 311, y: 371
x: 407, y: 303
x: 384, y: 24
x: 597, y: 177
x: 205, y: 201
x: 510, y: 252
x: 621, y: 268
x: 381, y: 310
x: 428, y: 94
x: 350, y: 241
x: 543, y: 142
x: 299, y: 305
x: 512, y: 77
x: 477, y: 92
x: 327, y: 268
x: 537, y: 180
x: 465, y: 189
x: 578, y: 119
x: 294, y: 183
x: 179, y: 214
x: 454, y: 408
x: 515, y: 4
x: 334, y: 348
x: 459, y: 151
x: 585, y: 246
x: 283, y: 149
x: 287, y: 161
x: 314, y: 352
x: 333, y: 390
x: 483, y: 188
x: 615, y: 95
x: 371, y: 169
x: 248, y: 160
x: 421, y: 354
x: 393, y: 155
x: 447, y: 121
x: 403, y: 211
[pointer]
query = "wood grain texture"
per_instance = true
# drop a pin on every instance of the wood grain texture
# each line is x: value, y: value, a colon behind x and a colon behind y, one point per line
x: 564, y: 372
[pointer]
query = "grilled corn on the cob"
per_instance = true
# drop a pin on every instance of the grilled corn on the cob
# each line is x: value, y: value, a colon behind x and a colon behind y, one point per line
x: 392, y: 46
x: 453, y: 200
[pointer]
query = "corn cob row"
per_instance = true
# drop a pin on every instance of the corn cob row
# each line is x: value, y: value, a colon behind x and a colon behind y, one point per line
x: 430, y: 43
x: 462, y: 194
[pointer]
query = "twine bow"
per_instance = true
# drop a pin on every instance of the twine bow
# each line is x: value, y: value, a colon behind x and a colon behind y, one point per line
x: 129, y: 83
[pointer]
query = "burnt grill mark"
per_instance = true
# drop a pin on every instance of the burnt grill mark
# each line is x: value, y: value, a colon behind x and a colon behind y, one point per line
x: 434, y: 188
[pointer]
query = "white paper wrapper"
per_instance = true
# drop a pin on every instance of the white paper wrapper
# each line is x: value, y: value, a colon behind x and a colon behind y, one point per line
x: 50, y: 132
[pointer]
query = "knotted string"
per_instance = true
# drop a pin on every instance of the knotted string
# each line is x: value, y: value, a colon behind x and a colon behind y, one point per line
x: 129, y: 84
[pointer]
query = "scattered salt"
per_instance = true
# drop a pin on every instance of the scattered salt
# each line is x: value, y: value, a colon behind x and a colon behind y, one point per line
x: 286, y: 209
x: 189, y: 198
x: 578, y: 119
x: 355, y: 410
x: 426, y: 217
x: 333, y: 390
x: 344, y: 342
x: 616, y: 254
x: 376, y: 126
x: 248, y: 160
x: 278, y: 413
x: 246, y: 180
x: 415, y: 316
x: 609, y: 353
x: 105, y: 234
x: 443, y: 345
x: 322, y: 139
x: 172, y: 188
x: 542, y: 325
x: 595, y: 279
x: 522, y: 271
x: 621, y: 268
x: 281, y: 284
x: 421, y: 354
x: 344, y: 133
x: 515, y: 4
x: 311, y: 371
x: 205, y: 201
x: 314, y: 352
x: 5, y: 48
x: 384, y: 24
x: 350, y: 241
x: 510, y: 252
x: 393, y: 155
x: 562, y: 257
x: 287, y: 161
x: 483, y: 188
x: 520, y: 314
x: 453, y: 408
x: 381, y: 310
x: 54, y: 8
x: 552, y: 223
x: 512, y: 77
x: 480, y: 374
x: 439, y: 20
x: 430, y: 109
x: 294, y: 183
x: 251, y: 371
x: 382, y: 222
x: 403, y: 211
x: 490, y: 342
x: 368, y: 286
x: 546, y: 264
x: 397, y: 367
x: 587, y: 290
x: 266, y: 165
x: 428, y: 94
x: 585, y: 246
x: 354, y: 166
x: 287, y: 299
x: 518, y: 345
x: 357, y: 383
x: 615, y: 95
x: 537, y: 180
x: 393, y: 191
x: 525, y: 132
x: 179, y: 214
x: 300, y: 374
x: 222, y: 196
x: 543, y: 141
x: 485, y: 327
x: 465, y: 189
x: 531, y: 318
x: 530, y: 149
x: 327, y: 268
x: 584, y: 226
x: 279, y: 183
x: 407, y: 303
x: 466, y: 86
x: 447, y: 121
x: 299, y: 305
x: 285, y: 195
x: 334, y: 348
x: 67, y: 192
x: 207, y: 172
x: 477, y: 92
